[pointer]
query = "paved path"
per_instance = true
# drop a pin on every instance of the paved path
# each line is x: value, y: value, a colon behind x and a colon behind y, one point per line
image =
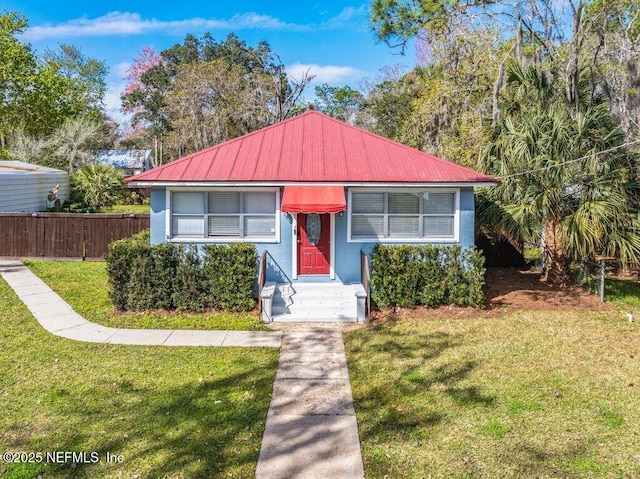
x: 57, y: 317
x: 311, y: 429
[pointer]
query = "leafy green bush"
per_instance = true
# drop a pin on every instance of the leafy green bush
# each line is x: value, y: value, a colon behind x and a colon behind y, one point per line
x: 426, y: 275
x: 231, y: 273
x: 95, y: 186
x: 189, y: 286
x: 165, y: 264
x: 167, y: 276
x: 120, y: 259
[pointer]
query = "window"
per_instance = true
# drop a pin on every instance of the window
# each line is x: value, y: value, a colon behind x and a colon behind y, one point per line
x: 224, y: 215
x: 398, y: 215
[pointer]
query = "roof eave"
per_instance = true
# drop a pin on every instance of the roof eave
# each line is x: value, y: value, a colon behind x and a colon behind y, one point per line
x: 444, y: 184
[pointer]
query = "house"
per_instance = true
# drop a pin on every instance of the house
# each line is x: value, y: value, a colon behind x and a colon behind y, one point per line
x: 130, y: 162
x: 313, y: 192
x: 28, y: 188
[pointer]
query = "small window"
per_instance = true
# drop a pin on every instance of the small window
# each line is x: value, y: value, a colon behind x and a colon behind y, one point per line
x: 228, y: 215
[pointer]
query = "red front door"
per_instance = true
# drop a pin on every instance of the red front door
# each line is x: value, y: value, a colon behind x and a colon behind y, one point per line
x: 313, y: 243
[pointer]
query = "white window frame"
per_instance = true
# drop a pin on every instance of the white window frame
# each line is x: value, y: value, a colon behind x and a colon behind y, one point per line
x: 219, y: 239
x: 400, y: 240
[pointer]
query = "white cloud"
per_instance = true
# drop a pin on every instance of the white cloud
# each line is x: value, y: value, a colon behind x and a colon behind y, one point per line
x: 131, y: 23
x: 126, y: 23
x: 349, y: 15
x: 332, y: 74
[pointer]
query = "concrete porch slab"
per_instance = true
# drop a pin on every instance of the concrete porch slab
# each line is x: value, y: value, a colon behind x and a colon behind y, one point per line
x: 314, y: 341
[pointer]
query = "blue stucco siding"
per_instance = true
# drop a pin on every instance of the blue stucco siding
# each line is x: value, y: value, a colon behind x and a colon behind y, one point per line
x: 158, y: 215
x: 347, y: 260
x: 467, y: 218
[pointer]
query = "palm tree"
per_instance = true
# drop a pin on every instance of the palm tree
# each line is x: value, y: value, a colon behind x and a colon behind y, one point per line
x: 566, y: 180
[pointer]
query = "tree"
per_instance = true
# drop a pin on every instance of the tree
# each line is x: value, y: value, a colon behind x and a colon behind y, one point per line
x: 343, y: 103
x: 558, y: 34
x: 566, y: 179
x: 387, y: 105
x: 71, y: 143
x: 451, y: 93
x: 144, y: 96
x: 85, y: 78
x: 26, y: 148
x: 201, y: 92
x: 17, y: 72
x: 37, y: 95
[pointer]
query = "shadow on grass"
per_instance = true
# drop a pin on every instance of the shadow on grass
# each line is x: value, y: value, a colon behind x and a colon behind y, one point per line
x: 397, y: 396
x: 200, y: 430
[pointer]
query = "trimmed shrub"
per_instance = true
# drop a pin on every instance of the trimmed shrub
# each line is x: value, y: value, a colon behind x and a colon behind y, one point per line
x: 165, y: 264
x: 120, y: 259
x: 166, y: 276
x: 189, y: 285
x: 431, y: 278
x: 140, y: 294
x: 231, y: 272
x: 426, y: 275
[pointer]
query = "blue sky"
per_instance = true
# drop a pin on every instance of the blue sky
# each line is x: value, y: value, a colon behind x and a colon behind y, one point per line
x: 331, y: 38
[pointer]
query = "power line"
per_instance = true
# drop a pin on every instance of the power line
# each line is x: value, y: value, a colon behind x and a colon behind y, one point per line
x: 548, y: 167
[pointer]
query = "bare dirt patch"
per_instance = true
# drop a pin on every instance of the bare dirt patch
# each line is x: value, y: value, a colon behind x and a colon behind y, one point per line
x: 507, y: 290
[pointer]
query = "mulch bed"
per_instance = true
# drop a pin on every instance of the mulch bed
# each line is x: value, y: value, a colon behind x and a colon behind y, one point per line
x: 507, y: 290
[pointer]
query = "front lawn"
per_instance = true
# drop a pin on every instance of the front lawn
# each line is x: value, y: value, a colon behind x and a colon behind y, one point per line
x: 624, y: 293
x: 84, y: 286
x: 541, y: 394
x: 168, y: 412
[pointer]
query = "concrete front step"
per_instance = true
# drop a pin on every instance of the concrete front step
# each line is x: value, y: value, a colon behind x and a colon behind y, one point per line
x: 312, y: 302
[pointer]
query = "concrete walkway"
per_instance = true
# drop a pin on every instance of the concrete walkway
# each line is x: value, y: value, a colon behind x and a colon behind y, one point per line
x: 57, y: 317
x: 311, y: 429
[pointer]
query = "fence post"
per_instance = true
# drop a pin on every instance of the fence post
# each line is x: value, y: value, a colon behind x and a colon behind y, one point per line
x: 602, y: 271
x: 84, y: 241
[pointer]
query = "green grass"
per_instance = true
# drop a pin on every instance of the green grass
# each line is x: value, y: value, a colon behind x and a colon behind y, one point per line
x: 134, y: 209
x: 85, y: 287
x: 623, y: 293
x: 531, y: 394
x: 170, y: 412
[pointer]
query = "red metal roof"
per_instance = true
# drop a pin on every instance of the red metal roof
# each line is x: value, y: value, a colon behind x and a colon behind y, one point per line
x: 311, y: 148
x: 313, y: 199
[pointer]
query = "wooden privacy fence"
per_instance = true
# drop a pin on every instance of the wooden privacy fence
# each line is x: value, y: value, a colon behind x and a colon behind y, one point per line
x: 65, y: 235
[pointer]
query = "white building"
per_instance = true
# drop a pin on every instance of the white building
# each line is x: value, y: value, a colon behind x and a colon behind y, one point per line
x: 25, y: 187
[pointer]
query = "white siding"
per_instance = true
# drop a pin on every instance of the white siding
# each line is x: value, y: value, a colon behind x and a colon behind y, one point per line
x: 25, y: 187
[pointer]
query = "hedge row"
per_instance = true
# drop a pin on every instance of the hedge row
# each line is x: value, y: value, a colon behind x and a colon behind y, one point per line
x: 426, y: 275
x: 169, y: 276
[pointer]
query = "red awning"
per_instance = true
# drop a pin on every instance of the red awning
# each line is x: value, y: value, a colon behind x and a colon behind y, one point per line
x: 313, y: 199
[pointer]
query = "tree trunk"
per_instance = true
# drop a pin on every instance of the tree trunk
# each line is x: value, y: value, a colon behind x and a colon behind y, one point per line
x: 557, y: 268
